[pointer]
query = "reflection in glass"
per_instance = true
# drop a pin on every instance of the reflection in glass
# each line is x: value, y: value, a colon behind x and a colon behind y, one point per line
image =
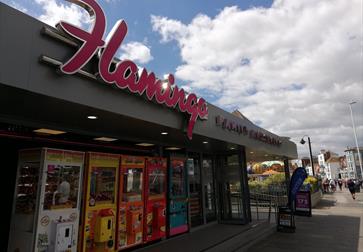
x: 177, y: 178
x: 27, y: 188
x: 61, y: 190
x: 231, y: 189
x: 209, y: 196
x: 195, y: 190
x: 132, y: 184
x: 156, y: 182
x: 102, y: 189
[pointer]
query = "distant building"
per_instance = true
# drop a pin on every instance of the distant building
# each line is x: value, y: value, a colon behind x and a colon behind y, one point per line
x: 333, y: 168
x: 353, y: 167
x: 305, y: 162
x: 325, y: 171
x: 343, y: 168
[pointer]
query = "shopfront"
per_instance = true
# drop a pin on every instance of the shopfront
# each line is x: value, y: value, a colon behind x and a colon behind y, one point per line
x: 96, y: 162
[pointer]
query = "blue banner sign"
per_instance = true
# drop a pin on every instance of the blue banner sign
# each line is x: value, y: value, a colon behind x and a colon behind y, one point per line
x: 297, y: 179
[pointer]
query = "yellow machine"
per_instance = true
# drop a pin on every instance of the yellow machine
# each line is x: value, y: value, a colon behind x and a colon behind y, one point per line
x: 100, y: 204
x: 103, y: 229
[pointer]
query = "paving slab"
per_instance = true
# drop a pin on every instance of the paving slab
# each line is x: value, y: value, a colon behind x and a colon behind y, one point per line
x: 336, y: 226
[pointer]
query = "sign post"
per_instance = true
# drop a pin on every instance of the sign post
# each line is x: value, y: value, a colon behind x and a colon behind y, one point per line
x: 286, y: 218
x: 303, y: 203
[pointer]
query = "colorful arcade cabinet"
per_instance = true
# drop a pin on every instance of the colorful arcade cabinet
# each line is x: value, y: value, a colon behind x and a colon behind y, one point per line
x: 178, y: 197
x: 155, y: 199
x: 47, y: 201
x: 131, y: 202
x: 99, y: 205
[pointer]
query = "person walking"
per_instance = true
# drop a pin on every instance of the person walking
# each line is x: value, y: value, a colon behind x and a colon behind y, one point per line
x: 332, y: 185
x: 326, y: 185
x: 351, y: 187
x: 340, y: 184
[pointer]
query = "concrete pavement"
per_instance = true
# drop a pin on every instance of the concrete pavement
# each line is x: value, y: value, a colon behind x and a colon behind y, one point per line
x: 336, y: 226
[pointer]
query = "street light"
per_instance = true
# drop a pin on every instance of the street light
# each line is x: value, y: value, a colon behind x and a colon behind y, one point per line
x: 356, y: 141
x: 302, y: 141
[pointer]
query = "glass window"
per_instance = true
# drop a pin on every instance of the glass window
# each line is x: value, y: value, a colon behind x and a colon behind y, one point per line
x: 195, y: 190
x: 209, y: 195
x: 27, y: 188
x: 156, y: 182
x: 61, y: 189
x: 132, y: 184
x: 102, y: 190
x: 177, y: 178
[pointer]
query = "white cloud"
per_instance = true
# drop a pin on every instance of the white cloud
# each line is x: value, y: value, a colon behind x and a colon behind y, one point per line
x: 293, y: 67
x: 54, y: 11
x: 17, y: 6
x: 136, y: 51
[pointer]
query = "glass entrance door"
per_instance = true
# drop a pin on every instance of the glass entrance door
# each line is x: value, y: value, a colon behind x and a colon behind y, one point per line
x: 209, y: 192
x: 230, y: 193
x: 195, y: 191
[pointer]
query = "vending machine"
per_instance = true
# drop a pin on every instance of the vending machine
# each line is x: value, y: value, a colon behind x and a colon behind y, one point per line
x: 155, y: 199
x: 47, y: 201
x: 178, y: 197
x: 131, y: 202
x: 100, y: 202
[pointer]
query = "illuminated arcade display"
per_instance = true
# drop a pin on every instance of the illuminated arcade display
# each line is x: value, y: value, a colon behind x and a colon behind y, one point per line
x: 99, y: 216
x: 155, y: 199
x: 53, y: 225
x: 131, y: 204
x: 178, y: 197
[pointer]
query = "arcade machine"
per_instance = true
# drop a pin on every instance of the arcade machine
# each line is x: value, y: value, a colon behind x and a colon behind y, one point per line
x: 131, y: 202
x: 100, y: 202
x: 155, y: 199
x: 47, y: 201
x: 178, y: 197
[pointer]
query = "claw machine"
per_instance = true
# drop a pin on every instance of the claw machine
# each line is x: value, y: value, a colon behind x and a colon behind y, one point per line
x: 178, y: 197
x: 131, y: 202
x: 47, y: 201
x: 100, y: 202
x: 155, y: 199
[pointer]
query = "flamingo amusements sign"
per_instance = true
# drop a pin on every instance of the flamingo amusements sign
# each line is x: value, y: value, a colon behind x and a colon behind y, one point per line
x: 125, y: 75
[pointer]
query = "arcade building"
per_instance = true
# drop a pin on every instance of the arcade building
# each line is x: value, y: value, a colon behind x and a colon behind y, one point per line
x: 102, y: 156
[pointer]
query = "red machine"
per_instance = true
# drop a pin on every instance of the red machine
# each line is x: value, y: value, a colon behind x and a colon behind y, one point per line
x: 131, y: 202
x: 155, y: 199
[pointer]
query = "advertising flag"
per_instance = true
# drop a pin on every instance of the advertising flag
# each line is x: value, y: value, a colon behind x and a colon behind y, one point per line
x: 297, y: 179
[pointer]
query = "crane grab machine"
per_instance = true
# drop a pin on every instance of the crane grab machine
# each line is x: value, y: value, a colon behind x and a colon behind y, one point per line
x: 131, y: 202
x: 47, y: 201
x: 155, y: 199
x: 100, y: 202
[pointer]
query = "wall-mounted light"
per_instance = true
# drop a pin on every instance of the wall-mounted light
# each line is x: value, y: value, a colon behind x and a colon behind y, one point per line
x: 145, y: 144
x: 92, y: 117
x: 49, y: 131
x: 105, y: 139
x: 172, y: 148
x: 164, y: 133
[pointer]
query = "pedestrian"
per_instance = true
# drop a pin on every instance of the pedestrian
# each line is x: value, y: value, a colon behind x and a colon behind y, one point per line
x: 332, y: 185
x: 340, y: 184
x: 326, y: 185
x: 351, y: 187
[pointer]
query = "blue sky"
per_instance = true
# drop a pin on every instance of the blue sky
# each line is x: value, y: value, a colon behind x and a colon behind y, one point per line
x: 290, y: 66
x: 166, y: 56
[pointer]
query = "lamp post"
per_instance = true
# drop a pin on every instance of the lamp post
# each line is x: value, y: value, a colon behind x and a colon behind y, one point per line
x: 302, y: 141
x: 356, y: 141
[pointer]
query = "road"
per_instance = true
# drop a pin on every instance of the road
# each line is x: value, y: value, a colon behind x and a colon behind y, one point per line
x: 336, y: 226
